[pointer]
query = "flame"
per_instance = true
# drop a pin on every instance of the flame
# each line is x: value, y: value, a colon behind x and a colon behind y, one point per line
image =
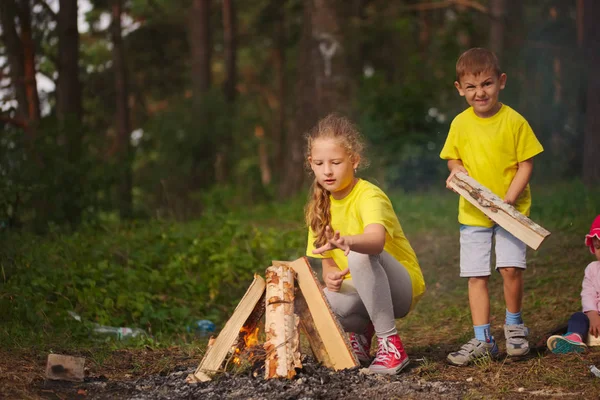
x: 250, y: 337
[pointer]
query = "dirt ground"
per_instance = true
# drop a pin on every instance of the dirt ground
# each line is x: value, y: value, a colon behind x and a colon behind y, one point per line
x: 160, y: 374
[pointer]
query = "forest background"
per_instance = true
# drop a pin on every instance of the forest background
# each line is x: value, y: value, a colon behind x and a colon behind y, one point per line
x: 151, y: 151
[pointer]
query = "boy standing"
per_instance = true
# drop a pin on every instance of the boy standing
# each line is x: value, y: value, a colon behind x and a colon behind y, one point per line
x: 495, y: 145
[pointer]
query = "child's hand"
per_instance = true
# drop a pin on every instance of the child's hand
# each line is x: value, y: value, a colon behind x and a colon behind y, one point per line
x: 594, y: 323
x: 455, y: 170
x: 333, y: 280
x: 334, y: 241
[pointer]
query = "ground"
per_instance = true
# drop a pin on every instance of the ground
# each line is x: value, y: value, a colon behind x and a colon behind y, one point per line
x: 439, y: 324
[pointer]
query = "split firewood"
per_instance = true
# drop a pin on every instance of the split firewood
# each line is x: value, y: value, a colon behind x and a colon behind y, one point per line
x: 500, y: 212
x: 281, y: 324
x: 250, y: 308
x: 333, y: 339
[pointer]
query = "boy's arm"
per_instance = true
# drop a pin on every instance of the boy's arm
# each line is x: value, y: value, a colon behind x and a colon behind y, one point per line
x: 519, y: 182
x: 454, y: 166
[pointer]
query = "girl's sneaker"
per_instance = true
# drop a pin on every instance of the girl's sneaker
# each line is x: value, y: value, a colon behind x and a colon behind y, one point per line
x: 391, y: 357
x: 361, y: 344
x: 568, y: 343
x: 472, y: 350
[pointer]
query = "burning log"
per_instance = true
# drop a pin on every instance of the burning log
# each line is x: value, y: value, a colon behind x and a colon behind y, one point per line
x: 281, y: 324
x: 500, y: 212
x: 247, y: 314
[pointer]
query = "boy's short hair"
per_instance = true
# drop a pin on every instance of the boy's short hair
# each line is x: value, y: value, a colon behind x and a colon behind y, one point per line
x: 475, y: 61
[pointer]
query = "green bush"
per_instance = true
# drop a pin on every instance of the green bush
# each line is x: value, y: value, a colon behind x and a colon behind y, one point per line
x: 157, y: 276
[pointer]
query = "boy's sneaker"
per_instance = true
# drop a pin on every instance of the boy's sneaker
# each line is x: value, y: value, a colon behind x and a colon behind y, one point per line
x: 568, y: 343
x: 391, y: 357
x: 516, y: 342
x: 472, y: 350
x: 361, y: 344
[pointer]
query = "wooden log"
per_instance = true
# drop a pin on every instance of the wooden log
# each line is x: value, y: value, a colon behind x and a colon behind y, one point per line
x: 247, y: 309
x: 307, y: 325
x: 334, y: 339
x: 65, y: 368
x: 281, y: 324
x: 500, y: 212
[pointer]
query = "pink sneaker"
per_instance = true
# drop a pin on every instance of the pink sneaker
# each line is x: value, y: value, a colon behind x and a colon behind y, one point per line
x: 568, y: 343
x: 361, y: 344
x: 391, y: 357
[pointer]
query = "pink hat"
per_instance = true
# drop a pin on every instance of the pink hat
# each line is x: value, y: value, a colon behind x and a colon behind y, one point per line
x: 594, y: 232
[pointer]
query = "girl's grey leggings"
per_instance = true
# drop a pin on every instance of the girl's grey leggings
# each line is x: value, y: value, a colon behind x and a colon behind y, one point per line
x: 380, y: 291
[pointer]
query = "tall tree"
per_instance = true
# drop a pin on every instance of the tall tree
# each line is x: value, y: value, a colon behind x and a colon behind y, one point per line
x: 591, y: 43
x: 21, y: 58
x: 229, y: 88
x: 497, y: 26
x: 199, y: 38
x: 323, y: 82
x: 123, y: 125
x: 279, y: 46
x: 200, y: 46
x: 69, y: 106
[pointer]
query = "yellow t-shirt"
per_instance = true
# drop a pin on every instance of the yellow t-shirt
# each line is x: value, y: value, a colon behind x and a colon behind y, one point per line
x: 367, y: 204
x: 490, y: 150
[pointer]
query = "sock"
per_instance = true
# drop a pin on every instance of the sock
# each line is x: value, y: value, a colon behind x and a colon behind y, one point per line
x: 513, y: 318
x: 482, y: 333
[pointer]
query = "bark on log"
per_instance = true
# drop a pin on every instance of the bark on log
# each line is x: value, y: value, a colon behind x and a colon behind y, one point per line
x: 500, y: 212
x: 335, y: 341
x: 281, y: 324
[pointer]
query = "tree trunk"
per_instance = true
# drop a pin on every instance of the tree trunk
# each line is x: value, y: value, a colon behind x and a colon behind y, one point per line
x: 230, y: 45
x: 591, y: 41
x: 323, y: 82
x: 33, y: 101
x: 497, y: 26
x: 199, y: 38
x: 278, y: 130
x: 69, y: 107
x: 225, y: 145
x: 124, y: 150
x: 200, y: 48
x: 14, y: 50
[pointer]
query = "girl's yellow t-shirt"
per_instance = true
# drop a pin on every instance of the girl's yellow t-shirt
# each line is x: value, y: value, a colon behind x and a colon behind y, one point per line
x: 367, y: 204
x: 490, y: 150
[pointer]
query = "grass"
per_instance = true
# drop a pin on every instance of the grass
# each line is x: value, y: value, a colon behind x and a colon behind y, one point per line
x: 439, y: 324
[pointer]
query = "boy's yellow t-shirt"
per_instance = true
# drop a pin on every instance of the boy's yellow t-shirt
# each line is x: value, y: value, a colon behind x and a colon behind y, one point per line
x: 490, y: 150
x: 367, y: 204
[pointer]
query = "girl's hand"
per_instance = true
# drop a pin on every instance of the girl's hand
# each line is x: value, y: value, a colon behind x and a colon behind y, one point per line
x: 333, y: 280
x: 594, y: 323
x: 334, y: 241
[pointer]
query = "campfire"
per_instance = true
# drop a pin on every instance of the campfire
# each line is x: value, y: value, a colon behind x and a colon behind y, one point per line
x: 291, y: 300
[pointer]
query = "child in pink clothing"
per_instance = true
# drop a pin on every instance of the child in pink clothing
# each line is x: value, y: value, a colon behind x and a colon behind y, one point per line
x: 588, y: 321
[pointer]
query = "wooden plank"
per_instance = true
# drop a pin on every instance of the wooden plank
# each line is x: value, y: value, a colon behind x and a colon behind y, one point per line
x: 281, y: 324
x: 334, y: 338
x: 229, y: 335
x: 500, y: 212
x: 592, y: 340
x: 307, y: 325
x: 65, y: 368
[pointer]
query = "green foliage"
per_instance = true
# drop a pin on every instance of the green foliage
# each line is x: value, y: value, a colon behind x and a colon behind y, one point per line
x: 157, y: 276
x: 406, y: 132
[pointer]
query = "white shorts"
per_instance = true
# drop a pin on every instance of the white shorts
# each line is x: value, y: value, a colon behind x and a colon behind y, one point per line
x: 476, y: 250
